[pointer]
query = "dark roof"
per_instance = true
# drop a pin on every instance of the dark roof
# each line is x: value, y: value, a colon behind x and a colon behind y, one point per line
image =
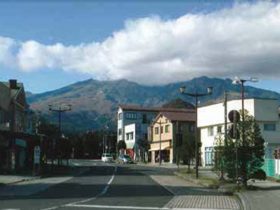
x: 14, y: 92
x: 184, y: 116
x: 151, y: 109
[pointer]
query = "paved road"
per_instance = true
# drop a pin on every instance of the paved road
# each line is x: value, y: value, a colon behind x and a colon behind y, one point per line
x: 267, y: 196
x: 104, y: 186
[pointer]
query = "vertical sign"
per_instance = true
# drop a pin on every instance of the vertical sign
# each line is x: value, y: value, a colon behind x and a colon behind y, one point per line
x: 37, y: 153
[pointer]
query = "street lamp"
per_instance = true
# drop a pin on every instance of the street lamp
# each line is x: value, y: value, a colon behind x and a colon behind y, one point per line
x: 60, y: 109
x: 239, y: 81
x: 196, y: 95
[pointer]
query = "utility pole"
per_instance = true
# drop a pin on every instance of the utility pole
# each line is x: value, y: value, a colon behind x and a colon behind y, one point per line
x: 225, y: 115
x: 59, y: 110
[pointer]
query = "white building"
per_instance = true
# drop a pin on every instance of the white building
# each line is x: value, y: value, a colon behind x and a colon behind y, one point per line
x: 211, y: 119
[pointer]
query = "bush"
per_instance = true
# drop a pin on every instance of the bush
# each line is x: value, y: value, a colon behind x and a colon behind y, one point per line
x: 259, y: 174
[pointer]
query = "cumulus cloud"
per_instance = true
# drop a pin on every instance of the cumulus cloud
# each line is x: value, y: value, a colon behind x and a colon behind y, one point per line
x: 242, y: 40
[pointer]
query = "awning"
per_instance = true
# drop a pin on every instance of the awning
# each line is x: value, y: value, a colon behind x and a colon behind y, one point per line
x: 162, y: 148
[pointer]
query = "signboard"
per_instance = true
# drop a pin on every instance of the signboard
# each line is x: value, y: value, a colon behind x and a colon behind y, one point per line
x: 37, y: 154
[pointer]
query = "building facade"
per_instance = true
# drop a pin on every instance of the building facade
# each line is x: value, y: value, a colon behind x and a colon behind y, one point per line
x: 164, y: 130
x: 13, y: 122
x: 211, y: 121
x: 134, y: 121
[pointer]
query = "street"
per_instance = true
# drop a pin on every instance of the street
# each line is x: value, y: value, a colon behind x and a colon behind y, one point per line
x: 109, y: 186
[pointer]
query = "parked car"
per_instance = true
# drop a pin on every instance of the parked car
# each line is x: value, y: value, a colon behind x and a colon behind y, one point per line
x: 107, y: 157
x: 125, y: 159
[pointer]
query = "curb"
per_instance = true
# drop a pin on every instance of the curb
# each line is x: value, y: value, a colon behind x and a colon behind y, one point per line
x: 195, y: 181
x: 242, y: 201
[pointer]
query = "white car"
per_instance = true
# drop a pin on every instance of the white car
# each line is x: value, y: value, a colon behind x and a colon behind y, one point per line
x: 107, y: 157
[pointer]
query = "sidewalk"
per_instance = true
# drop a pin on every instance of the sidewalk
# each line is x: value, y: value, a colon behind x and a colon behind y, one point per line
x: 12, y: 179
x: 14, y: 185
x: 191, y: 195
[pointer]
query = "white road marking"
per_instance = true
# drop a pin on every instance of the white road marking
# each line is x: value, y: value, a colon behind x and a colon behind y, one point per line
x: 134, y: 207
x: 89, y: 199
x: 10, y: 209
x: 51, y: 208
x: 118, y: 207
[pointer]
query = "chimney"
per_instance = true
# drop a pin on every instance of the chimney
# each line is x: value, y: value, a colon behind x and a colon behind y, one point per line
x: 13, y: 83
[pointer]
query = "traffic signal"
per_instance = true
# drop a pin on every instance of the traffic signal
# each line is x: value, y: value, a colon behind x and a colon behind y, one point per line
x: 275, y: 154
x: 234, y: 118
x: 233, y: 132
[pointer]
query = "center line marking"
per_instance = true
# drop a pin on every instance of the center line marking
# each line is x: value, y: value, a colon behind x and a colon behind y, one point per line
x: 89, y: 199
x: 104, y: 191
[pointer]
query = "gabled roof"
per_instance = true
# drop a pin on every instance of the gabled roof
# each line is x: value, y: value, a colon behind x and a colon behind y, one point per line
x: 14, y: 92
x: 150, y: 109
x: 180, y: 116
x: 7, y: 94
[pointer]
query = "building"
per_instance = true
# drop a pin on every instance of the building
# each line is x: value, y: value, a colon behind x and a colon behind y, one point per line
x: 13, y: 122
x: 164, y: 130
x: 211, y: 121
x: 133, y: 123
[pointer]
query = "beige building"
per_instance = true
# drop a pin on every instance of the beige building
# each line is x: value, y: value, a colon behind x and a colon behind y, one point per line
x: 163, y: 131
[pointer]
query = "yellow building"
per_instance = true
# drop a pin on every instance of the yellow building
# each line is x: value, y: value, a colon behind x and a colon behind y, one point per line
x: 163, y: 132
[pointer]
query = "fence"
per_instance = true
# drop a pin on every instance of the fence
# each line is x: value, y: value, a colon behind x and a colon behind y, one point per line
x: 272, y: 167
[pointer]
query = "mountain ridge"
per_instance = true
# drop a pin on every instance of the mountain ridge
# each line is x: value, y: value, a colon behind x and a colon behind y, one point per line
x: 95, y: 102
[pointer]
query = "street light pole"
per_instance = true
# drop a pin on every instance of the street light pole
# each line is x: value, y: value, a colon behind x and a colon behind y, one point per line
x: 196, y: 95
x: 237, y: 80
x: 59, y: 109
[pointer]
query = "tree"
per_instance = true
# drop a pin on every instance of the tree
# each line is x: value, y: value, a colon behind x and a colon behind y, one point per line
x: 121, y: 145
x: 250, y: 152
x: 219, y: 150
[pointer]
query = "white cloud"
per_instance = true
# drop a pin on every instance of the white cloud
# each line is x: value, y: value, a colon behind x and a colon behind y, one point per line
x: 243, y: 40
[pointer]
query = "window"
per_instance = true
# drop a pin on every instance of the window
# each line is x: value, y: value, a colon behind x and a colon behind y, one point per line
x: 131, y: 116
x: 156, y: 130
x: 219, y: 129
x: 210, y: 131
x: 120, y: 130
x: 167, y: 128
x: 120, y: 116
x: 269, y: 127
x: 129, y: 136
x: 161, y: 129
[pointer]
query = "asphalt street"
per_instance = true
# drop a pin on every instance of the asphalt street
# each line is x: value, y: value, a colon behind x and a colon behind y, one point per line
x: 102, y: 186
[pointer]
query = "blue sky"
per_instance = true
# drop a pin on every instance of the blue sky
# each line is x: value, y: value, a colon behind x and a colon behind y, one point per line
x: 48, y: 45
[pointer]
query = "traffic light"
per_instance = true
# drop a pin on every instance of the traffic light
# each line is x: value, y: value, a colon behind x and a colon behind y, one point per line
x: 234, y: 118
x: 233, y: 132
x: 275, y: 154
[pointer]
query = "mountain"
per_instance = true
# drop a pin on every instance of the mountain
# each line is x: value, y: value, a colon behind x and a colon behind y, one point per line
x: 94, y: 103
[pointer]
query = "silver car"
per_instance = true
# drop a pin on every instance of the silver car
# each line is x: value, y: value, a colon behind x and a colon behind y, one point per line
x: 107, y: 157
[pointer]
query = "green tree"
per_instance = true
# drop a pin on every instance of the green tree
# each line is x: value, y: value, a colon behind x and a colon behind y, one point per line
x: 121, y: 145
x: 250, y: 152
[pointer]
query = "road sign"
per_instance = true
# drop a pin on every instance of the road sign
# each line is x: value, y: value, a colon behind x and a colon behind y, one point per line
x: 234, y: 116
x: 37, y: 154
